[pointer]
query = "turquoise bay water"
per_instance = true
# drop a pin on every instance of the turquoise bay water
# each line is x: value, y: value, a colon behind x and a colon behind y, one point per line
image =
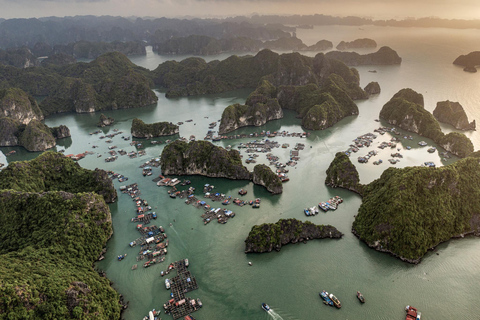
x: 443, y: 286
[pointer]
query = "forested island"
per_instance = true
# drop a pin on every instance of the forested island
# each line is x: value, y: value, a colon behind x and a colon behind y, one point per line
x: 109, y: 82
x: 384, y: 56
x: 272, y: 236
x: 357, y: 44
x: 142, y: 130
x: 205, y: 159
x: 20, y: 123
x: 61, y: 224
x: 406, y: 110
x: 408, y: 211
x: 452, y: 113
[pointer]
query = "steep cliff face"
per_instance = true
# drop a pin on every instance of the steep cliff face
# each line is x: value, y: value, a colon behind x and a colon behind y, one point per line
x: 261, y: 106
x: 202, y: 158
x: 356, y: 44
x: 372, y: 88
x: 264, y: 176
x: 10, y: 130
x: 37, y: 137
x: 17, y: 104
x: 272, y: 236
x: 342, y: 174
x: 453, y: 113
x: 142, y: 130
x: 384, y: 56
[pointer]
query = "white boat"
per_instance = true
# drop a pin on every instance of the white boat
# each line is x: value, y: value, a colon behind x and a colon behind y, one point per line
x: 186, y: 262
x: 167, y: 283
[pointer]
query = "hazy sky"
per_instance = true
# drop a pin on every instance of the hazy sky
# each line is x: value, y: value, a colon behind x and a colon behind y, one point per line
x: 377, y: 9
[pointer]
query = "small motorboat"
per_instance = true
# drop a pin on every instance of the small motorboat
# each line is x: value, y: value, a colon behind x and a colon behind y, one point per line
x: 326, y: 299
x: 265, y: 307
x: 121, y: 257
x: 360, y: 297
x: 412, y: 313
x: 249, y: 263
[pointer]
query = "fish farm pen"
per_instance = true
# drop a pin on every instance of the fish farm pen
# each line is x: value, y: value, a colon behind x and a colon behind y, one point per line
x: 180, y: 305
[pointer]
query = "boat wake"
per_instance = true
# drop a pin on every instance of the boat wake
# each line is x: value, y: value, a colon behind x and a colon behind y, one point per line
x: 274, y: 315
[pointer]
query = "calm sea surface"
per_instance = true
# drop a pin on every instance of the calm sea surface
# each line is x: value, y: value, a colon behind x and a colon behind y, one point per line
x: 445, y: 285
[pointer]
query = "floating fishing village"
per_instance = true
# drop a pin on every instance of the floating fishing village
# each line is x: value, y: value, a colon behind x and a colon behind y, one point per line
x: 152, y: 242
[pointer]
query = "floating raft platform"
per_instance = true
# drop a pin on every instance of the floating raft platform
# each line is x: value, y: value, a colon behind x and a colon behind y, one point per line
x: 180, y: 305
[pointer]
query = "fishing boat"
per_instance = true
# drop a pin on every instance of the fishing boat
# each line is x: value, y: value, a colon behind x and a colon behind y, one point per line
x: 360, y: 297
x: 335, y: 300
x: 326, y: 299
x: 167, y: 283
x: 121, y: 257
x: 412, y: 313
x: 265, y: 307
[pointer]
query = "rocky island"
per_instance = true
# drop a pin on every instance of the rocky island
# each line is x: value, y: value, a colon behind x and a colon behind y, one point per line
x: 321, y: 107
x: 109, y: 82
x: 35, y: 136
x: 261, y: 106
x: 452, y: 113
x: 372, y: 88
x: 357, y: 44
x: 142, y: 130
x: 384, y: 56
x: 105, y: 121
x: 342, y: 174
x: 408, y: 211
x: 59, y: 230
x: 469, y: 61
x: 406, y: 111
x: 205, y: 159
x: 194, y: 76
x: 272, y: 236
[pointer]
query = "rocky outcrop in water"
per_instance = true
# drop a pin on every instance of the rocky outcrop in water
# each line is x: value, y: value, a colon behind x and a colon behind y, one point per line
x: 372, y: 88
x: 142, y: 130
x: 60, y: 132
x: 37, y: 137
x: 469, y: 61
x: 272, y: 236
x: 408, y: 211
x: 342, y: 174
x: 261, y: 106
x: 202, y: 158
x: 406, y: 111
x: 17, y: 104
x: 384, y: 56
x: 105, y: 121
x: 453, y: 113
x: 264, y: 176
x: 357, y: 44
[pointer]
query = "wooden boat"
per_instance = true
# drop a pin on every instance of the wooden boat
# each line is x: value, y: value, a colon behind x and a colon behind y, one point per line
x: 360, y: 297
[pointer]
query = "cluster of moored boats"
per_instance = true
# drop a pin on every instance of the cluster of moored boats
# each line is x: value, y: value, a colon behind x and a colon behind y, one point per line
x: 331, y: 204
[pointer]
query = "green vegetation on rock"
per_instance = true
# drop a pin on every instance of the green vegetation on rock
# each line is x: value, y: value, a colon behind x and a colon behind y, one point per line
x: 261, y: 106
x: 142, y: 130
x: 452, y: 113
x: 272, y: 236
x: 343, y: 174
x: 17, y: 104
x: 384, y: 56
x: 406, y: 111
x: 202, y: 158
x: 408, y: 211
x: 194, y: 76
x: 37, y: 137
x: 263, y: 175
x: 49, y: 239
